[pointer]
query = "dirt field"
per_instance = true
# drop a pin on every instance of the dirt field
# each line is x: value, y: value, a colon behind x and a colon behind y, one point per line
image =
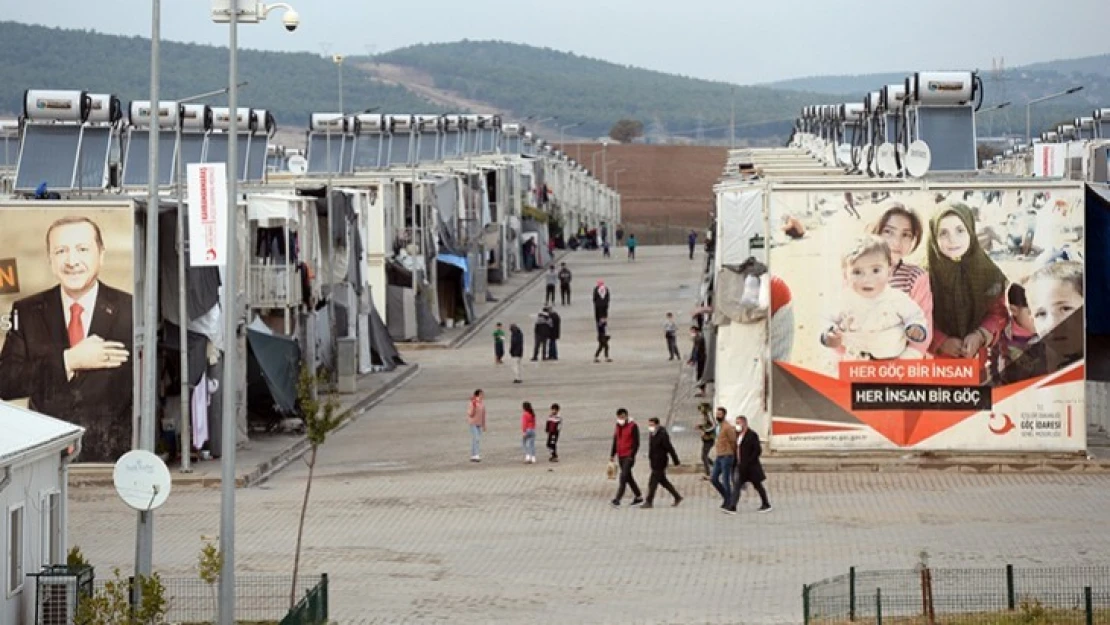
x: 665, y: 189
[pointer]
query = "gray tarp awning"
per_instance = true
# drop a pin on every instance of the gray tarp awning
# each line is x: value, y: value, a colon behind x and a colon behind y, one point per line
x: 273, y: 369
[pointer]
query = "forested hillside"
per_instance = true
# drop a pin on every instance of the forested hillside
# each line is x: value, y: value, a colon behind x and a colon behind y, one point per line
x: 292, y: 85
x: 545, y: 83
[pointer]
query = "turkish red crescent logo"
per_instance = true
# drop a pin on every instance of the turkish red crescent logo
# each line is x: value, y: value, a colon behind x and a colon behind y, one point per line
x: 1007, y: 424
x: 210, y: 255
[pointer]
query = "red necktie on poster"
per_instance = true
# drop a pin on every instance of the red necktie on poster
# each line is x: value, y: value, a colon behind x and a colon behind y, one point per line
x: 76, y: 328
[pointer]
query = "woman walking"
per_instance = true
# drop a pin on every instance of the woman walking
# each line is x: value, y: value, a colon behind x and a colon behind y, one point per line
x: 476, y: 417
x: 528, y: 428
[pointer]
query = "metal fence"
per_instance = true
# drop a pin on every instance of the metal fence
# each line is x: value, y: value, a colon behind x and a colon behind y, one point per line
x: 999, y: 596
x: 312, y: 609
x: 258, y: 598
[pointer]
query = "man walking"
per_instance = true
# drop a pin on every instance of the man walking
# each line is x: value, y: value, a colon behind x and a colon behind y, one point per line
x: 631, y: 247
x: 670, y: 332
x: 541, y: 332
x: 601, y: 300
x: 550, y: 278
x: 708, y: 428
x: 698, y: 356
x: 748, y: 467
x: 691, y: 241
x: 516, y: 350
x: 626, y: 444
x: 726, y: 459
x: 476, y: 417
x: 554, y: 333
x: 564, y: 284
x: 659, y: 448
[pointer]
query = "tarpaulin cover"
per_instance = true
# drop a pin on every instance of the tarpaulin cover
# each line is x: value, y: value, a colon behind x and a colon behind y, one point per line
x: 384, y: 349
x: 273, y: 368
x: 460, y: 262
x: 740, y: 214
x: 1098, y: 283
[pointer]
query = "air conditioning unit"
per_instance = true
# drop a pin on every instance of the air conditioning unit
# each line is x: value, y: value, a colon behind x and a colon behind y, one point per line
x: 58, y: 591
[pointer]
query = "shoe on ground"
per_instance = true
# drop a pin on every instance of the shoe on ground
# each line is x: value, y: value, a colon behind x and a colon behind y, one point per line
x: 615, y: 503
x: 516, y: 381
x: 608, y: 360
x: 730, y: 510
x: 646, y: 506
x: 677, y: 501
x: 474, y: 458
x: 638, y: 501
x: 596, y: 360
x: 767, y: 508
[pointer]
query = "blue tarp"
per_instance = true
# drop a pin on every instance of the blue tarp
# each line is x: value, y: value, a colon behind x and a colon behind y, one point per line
x: 461, y: 263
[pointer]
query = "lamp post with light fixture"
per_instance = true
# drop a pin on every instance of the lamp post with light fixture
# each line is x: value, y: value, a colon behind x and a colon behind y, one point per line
x: 1029, y: 106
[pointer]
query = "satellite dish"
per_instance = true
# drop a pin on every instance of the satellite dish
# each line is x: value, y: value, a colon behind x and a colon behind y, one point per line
x: 918, y: 158
x: 142, y: 480
x: 297, y: 164
x: 888, y: 163
x: 844, y: 154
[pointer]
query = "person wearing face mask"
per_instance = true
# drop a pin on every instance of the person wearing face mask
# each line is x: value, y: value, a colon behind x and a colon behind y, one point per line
x: 749, y: 470
x: 659, y: 448
x: 721, y: 479
x: 626, y: 444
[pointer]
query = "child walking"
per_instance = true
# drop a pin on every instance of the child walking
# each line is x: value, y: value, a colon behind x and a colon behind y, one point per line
x: 554, y: 426
x: 528, y: 429
x: 498, y: 344
x: 602, y: 340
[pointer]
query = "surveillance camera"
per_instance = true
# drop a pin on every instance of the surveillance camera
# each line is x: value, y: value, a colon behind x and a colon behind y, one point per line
x: 291, y: 20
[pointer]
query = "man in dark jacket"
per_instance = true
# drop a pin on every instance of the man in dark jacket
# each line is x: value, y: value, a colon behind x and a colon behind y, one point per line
x: 601, y: 300
x: 555, y: 333
x: 748, y: 467
x: 659, y: 448
x: 626, y: 444
x: 516, y: 349
x: 698, y: 357
x: 564, y: 284
x: 541, y: 332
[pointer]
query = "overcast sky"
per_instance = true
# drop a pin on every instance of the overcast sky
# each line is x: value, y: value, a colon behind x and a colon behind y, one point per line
x: 742, y: 42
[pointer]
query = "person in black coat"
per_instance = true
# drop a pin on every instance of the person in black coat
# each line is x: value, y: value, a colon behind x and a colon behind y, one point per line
x: 601, y: 300
x: 699, y: 355
x: 659, y: 448
x: 748, y: 467
x: 554, y: 334
x: 541, y: 332
x: 516, y: 349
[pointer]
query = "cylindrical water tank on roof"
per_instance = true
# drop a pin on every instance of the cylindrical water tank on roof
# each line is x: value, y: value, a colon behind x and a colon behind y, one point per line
x: 941, y: 87
x: 850, y: 111
x: 872, y: 102
x: 893, y: 97
x: 221, y: 119
x: 104, y: 108
x: 372, y: 123
x: 1101, y: 114
x: 429, y: 123
x: 323, y: 122
x: 139, y: 114
x: 512, y: 130
x: 52, y: 105
x: 195, y: 117
x: 452, y: 123
x: 400, y: 123
x: 264, y: 121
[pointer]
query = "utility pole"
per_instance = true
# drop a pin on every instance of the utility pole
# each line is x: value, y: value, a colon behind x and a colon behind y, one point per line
x: 732, y: 122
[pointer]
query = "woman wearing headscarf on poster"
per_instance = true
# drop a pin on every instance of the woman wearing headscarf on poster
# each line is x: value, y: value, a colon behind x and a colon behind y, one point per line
x: 969, y: 290
x: 902, y: 230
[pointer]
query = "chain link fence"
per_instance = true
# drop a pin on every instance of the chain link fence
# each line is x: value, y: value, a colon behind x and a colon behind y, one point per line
x: 926, y: 596
x: 258, y: 598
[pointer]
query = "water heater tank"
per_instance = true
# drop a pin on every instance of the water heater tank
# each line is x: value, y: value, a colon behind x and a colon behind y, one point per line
x: 48, y: 105
x: 104, y: 108
x: 221, y: 119
x: 893, y: 97
x: 325, y: 122
x: 942, y: 87
x: 196, y: 117
x: 139, y: 114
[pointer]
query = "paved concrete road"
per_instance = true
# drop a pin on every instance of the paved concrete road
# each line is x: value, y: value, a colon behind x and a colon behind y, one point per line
x: 411, y: 532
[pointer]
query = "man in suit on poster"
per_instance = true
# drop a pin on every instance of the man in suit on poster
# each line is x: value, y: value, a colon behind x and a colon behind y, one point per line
x: 68, y: 352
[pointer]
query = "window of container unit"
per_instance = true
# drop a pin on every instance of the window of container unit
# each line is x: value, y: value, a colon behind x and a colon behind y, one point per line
x: 14, y: 550
x: 52, y: 528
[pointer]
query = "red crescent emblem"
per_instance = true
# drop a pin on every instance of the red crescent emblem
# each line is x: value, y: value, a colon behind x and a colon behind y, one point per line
x: 1007, y: 424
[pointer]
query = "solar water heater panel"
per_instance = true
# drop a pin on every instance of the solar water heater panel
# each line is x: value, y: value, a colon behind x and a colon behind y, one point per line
x: 92, y: 162
x: 48, y: 154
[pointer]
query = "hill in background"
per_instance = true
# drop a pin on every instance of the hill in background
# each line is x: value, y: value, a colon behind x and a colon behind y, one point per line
x: 515, y: 80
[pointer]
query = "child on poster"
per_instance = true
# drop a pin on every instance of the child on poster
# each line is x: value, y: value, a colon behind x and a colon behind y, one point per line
x: 875, y: 322
x: 969, y: 305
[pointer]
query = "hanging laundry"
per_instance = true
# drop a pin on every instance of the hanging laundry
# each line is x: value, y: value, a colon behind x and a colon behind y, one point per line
x: 202, y: 398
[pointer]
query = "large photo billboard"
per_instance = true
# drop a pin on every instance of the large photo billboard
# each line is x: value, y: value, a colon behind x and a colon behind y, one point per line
x: 931, y: 319
x: 66, y: 277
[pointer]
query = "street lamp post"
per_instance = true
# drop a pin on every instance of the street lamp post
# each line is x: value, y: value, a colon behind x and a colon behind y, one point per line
x: 232, y: 12
x: 996, y: 107
x: 562, y: 146
x: 1029, y: 106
